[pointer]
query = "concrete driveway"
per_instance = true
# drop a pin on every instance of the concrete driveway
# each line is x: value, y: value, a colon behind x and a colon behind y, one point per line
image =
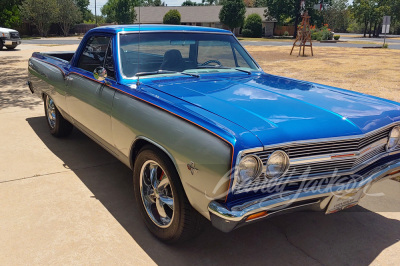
x: 67, y: 201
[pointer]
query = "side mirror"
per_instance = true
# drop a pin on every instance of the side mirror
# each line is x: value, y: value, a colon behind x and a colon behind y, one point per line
x: 100, y: 73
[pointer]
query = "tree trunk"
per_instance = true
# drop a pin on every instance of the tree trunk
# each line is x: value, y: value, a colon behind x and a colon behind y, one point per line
x: 378, y: 32
x: 297, y: 19
x: 370, y: 28
x: 365, y: 27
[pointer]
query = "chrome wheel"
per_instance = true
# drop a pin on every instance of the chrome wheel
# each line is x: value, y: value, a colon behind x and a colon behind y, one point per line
x: 156, y: 194
x: 51, y: 112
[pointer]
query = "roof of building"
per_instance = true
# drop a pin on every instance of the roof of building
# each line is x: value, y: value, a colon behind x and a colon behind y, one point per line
x: 146, y: 27
x: 189, y: 14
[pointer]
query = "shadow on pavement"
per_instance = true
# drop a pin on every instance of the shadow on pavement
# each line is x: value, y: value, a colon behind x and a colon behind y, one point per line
x: 354, y: 237
x: 14, y: 92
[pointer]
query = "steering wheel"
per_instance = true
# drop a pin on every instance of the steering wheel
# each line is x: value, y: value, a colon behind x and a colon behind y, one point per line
x: 211, y: 61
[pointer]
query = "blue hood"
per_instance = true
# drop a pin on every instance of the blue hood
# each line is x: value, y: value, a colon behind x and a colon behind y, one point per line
x: 277, y: 109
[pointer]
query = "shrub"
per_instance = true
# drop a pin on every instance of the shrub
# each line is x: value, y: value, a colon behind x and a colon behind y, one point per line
x: 172, y: 17
x: 385, y: 46
x: 286, y: 33
x: 247, y: 33
x: 336, y: 37
x: 322, y: 34
x: 254, y: 23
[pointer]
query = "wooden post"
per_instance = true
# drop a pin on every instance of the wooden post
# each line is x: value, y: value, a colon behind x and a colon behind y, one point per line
x: 303, y: 35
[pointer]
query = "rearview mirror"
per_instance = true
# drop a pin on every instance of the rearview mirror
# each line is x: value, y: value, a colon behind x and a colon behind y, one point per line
x: 100, y: 73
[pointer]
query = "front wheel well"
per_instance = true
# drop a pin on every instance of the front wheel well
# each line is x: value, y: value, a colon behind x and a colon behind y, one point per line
x: 140, y: 143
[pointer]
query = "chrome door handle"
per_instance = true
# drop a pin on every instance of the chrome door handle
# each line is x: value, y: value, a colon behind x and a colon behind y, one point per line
x: 68, y: 78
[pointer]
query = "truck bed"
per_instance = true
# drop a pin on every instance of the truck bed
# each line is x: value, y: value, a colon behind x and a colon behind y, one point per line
x: 65, y: 56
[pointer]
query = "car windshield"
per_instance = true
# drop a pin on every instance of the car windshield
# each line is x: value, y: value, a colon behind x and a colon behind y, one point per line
x: 167, y: 53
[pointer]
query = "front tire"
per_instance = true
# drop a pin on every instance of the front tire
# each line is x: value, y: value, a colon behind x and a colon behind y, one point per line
x: 11, y: 47
x: 59, y: 127
x: 161, y: 199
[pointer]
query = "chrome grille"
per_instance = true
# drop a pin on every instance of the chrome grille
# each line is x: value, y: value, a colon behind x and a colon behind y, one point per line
x: 322, y: 148
x: 14, y: 35
x: 372, y: 146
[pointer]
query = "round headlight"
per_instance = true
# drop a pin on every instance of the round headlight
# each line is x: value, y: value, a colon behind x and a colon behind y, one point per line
x: 394, y: 137
x: 277, y: 164
x: 250, y: 167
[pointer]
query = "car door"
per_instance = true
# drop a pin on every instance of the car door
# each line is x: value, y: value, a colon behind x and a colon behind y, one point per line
x: 89, y: 101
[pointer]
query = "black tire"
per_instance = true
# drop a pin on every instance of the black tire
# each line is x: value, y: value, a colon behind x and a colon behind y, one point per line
x: 59, y: 127
x: 10, y: 47
x: 186, y: 222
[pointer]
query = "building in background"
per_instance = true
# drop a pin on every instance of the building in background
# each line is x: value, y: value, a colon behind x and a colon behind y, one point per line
x: 206, y: 16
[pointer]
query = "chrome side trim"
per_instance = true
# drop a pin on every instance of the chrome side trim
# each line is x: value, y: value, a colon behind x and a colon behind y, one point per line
x: 173, y: 31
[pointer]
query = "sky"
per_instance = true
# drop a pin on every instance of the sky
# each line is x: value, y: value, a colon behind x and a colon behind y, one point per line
x: 100, y: 3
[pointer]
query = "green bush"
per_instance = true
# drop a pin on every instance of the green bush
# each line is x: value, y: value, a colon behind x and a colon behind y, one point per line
x: 172, y: 17
x: 322, y: 34
x: 385, y: 46
x: 336, y: 37
x: 247, y: 33
x: 253, y: 23
x: 286, y: 33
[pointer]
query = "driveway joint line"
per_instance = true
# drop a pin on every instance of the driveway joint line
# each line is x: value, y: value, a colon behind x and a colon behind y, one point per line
x: 68, y: 170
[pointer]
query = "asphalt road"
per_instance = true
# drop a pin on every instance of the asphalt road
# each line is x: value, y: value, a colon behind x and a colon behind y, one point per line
x: 68, y: 201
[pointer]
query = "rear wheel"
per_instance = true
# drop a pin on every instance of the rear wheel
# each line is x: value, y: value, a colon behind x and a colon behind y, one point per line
x: 161, y: 199
x: 59, y: 127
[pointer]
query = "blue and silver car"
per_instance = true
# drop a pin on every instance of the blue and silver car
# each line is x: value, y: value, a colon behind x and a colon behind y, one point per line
x: 209, y: 134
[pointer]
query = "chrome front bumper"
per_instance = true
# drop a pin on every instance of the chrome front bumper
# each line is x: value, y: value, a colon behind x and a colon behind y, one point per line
x: 11, y: 42
x: 316, y: 199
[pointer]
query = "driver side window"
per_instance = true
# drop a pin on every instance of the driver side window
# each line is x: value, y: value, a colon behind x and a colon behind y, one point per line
x: 94, y: 53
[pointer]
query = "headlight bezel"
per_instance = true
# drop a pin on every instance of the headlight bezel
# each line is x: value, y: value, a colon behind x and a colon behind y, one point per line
x: 258, y: 171
x: 287, y: 164
x: 396, y: 143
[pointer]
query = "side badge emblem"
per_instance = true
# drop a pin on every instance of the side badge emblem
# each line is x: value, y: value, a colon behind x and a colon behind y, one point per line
x: 191, y: 167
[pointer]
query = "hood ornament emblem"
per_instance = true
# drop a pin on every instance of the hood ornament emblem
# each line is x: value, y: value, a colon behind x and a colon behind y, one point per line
x: 191, y: 167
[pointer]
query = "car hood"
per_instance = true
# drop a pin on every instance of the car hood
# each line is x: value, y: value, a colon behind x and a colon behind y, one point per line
x: 7, y: 30
x: 277, y: 109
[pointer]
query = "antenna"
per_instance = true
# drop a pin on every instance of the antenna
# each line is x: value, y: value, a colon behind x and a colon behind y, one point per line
x: 138, y: 78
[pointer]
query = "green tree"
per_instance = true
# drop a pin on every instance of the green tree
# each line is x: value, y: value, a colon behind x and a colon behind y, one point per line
x: 83, y: 7
x: 68, y: 15
x: 369, y: 13
x: 9, y: 14
x: 232, y: 13
x: 189, y: 3
x: 172, y: 17
x: 253, y: 23
x: 151, y: 3
x: 337, y: 15
x: 289, y: 10
x: 120, y: 11
x: 210, y: 2
x: 41, y: 13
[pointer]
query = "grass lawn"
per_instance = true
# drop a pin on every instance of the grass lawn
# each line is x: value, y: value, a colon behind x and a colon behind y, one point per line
x: 371, y: 71
x: 264, y: 39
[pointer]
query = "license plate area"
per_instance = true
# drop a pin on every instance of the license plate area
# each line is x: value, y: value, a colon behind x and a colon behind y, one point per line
x: 343, y: 201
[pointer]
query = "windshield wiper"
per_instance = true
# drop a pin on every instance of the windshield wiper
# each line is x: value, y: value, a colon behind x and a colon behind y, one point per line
x: 139, y: 74
x: 222, y: 67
